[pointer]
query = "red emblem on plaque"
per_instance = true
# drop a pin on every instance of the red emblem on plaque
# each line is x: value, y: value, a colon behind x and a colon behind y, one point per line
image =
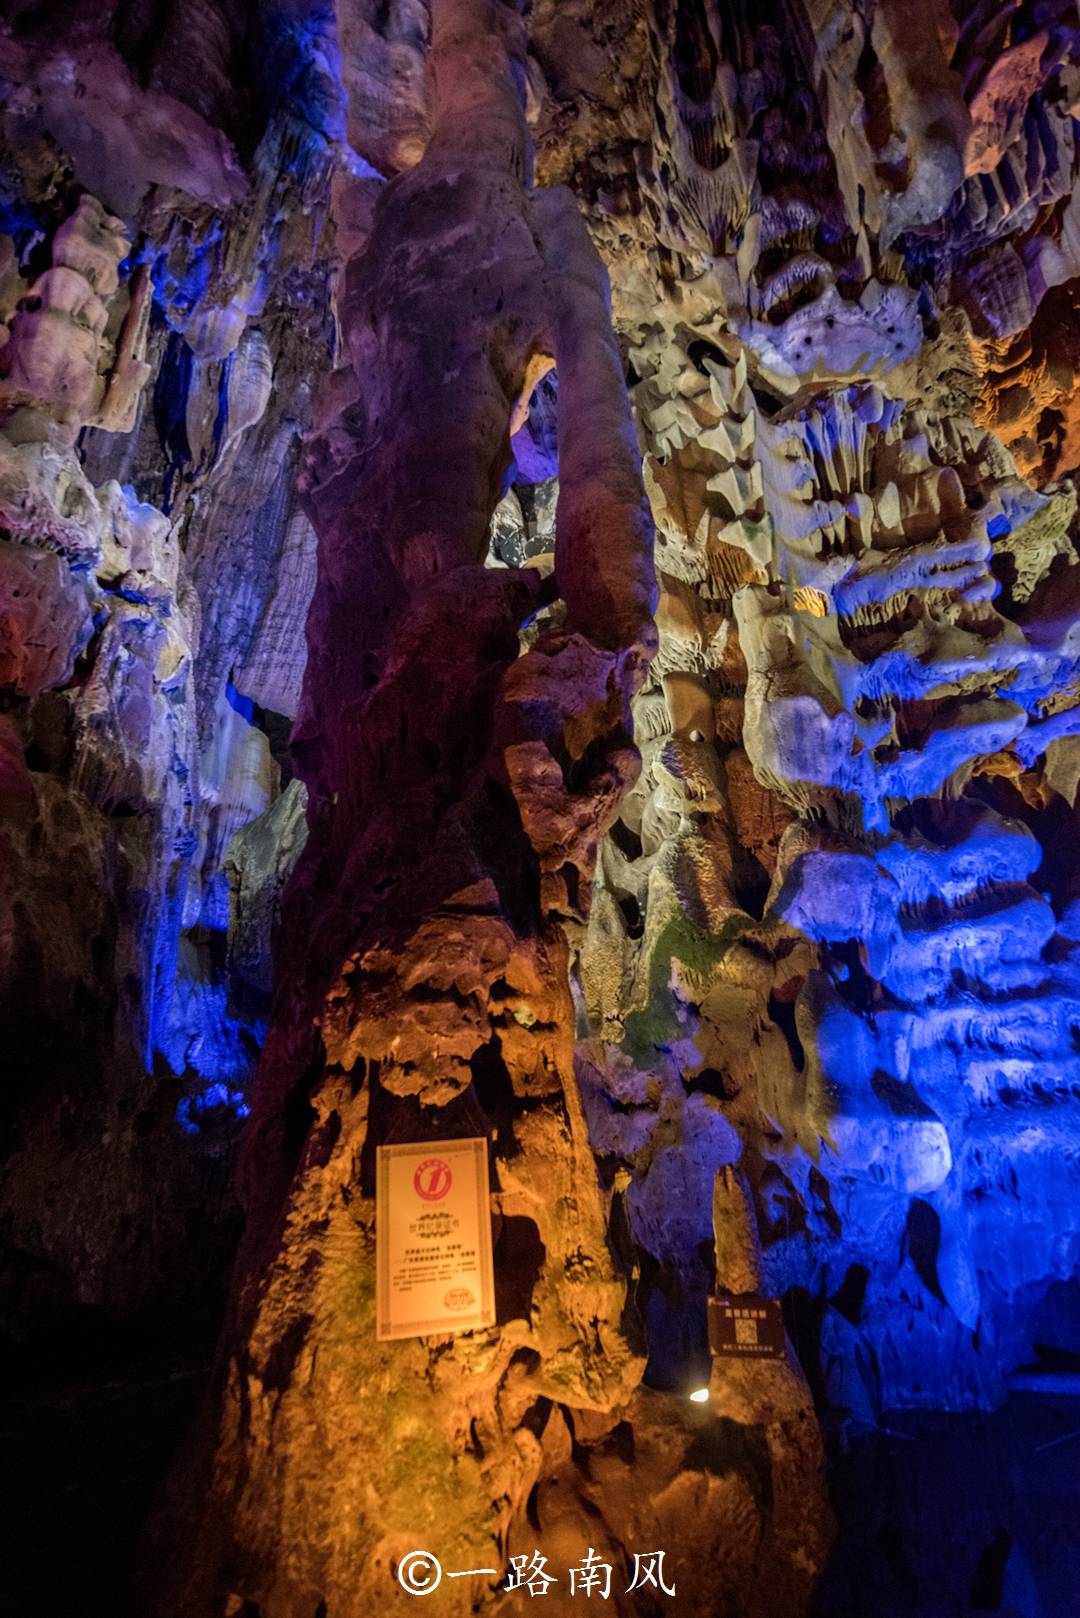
x: 432, y: 1179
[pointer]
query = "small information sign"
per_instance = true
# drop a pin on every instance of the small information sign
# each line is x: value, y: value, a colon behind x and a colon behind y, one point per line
x: 433, y: 1238
x: 746, y: 1328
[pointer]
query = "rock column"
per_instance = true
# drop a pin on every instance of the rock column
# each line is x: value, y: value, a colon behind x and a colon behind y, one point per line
x: 458, y: 787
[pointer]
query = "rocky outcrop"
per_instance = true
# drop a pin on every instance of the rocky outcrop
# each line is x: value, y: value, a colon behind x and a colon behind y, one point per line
x: 723, y: 879
x: 832, y: 902
x: 458, y: 787
x: 137, y: 564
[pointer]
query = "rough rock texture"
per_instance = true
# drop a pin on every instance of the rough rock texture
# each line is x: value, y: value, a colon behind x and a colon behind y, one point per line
x: 755, y: 860
x: 153, y: 566
x: 458, y: 784
x: 832, y: 916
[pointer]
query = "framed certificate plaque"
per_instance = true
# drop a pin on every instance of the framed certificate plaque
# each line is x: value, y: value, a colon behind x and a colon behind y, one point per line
x: 433, y: 1264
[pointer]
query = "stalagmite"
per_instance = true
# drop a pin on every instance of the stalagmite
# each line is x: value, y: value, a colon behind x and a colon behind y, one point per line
x: 457, y: 793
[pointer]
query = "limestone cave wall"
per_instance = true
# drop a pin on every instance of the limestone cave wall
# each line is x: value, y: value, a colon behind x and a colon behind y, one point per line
x: 539, y: 598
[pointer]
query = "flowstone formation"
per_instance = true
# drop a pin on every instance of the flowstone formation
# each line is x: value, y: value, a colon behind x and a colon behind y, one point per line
x: 833, y: 936
x: 830, y: 937
x: 539, y: 599
x: 464, y: 738
x: 155, y: 570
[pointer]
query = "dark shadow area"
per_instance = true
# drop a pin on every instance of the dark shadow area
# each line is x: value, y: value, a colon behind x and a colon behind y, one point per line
x: 518, y: 1259
x: 674, y: 1320
x: 83, y: 1457
x: 958, y: 1514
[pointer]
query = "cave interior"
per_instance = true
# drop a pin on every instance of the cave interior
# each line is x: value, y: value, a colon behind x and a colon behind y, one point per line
x: 540, y: 608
